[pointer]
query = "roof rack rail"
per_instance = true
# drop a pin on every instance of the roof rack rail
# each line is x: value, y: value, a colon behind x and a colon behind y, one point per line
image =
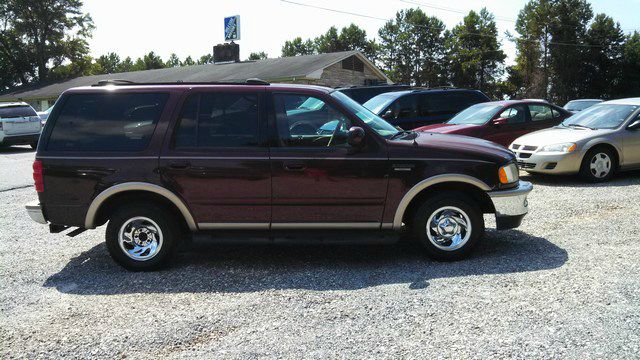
x: 113, y: 82
x: 252, y: 81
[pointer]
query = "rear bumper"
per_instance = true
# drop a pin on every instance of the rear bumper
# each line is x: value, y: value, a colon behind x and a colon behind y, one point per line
x: 511, y: 205
x: 35, y: 212
x: 22, y: 139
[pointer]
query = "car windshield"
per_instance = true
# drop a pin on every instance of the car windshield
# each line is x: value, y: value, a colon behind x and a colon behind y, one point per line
x: 375, y: 122
x: 378, y: 103
x: 580, y: 105
x: 475, y: 115
x: 605, y: 116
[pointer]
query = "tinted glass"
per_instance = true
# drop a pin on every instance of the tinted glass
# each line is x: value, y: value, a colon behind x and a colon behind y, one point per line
x: 514, y: 115
x: 320, y: 126
x: 438, y: 103
x: 540, y: 113
x: 106, y: 122
x: 10, y: 112
x: 218, y: 120
x: 380, y: 102
x: 403, y: 108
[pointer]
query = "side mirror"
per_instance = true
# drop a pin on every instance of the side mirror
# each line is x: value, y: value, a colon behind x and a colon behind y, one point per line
x: 635, y: 125
x: 387, y: 115
x: 355, y: 137
x: 499, y: 121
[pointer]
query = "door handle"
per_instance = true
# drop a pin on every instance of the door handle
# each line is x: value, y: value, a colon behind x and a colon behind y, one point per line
x: 294, y: 166
x: 179, y: 165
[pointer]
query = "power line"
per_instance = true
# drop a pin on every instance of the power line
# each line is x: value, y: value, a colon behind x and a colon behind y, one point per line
x: 431, y: 27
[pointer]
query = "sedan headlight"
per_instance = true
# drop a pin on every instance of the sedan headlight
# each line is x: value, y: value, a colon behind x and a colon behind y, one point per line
x: 559, y: 148
x: 508, y: 174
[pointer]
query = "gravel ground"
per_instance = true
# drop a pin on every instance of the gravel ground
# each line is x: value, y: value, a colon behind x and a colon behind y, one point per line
x: 564, y: 285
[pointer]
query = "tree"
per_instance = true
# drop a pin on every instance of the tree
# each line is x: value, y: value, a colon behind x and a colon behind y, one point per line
x: 475, y: 58
x: 630, y: 87
x: 188, y: 61
x: 413, y: 44
x: 37, y: 36
x: 602, y: 67
x: 109, y: 63
x: 258, y: 56
x: 174, y: 61
x: 298, y: 47
x: 569, y: 27
x: 349, y: 38
x: 126, y: 65
x: 148, y: 62
x: 205, y: 59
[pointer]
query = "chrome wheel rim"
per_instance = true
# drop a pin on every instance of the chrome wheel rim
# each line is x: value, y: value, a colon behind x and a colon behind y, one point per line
x: 140, y: 238
x: 600, y: 165
x: 449, y: 228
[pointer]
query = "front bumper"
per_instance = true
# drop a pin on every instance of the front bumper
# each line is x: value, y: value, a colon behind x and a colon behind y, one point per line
x: 22, y: 139
x: 549, y: 163
x: 511, y: 205
x: 35, y: 212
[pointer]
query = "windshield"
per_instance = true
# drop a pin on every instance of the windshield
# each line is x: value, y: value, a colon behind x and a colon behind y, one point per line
x: 475, y: 115
x: 580, y: 105
x: 378, y: 103
x: 605, y: 116
x: 376, y: 123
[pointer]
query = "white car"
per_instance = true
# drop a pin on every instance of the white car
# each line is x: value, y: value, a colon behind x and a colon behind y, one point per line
x: 595, y: 142
x: 19, y: 124
x: 580, y: 104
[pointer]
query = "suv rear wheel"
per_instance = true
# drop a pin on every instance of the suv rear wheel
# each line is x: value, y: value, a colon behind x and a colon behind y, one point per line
x: 142, y: 237
x: 448, y: 226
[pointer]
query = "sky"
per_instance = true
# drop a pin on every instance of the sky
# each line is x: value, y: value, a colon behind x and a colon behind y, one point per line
x: 192, y: 27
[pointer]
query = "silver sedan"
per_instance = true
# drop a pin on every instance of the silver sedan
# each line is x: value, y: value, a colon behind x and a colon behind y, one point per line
x: 595, y: 142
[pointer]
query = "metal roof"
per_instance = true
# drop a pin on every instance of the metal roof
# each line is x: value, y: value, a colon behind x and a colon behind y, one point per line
x: 286, y: 68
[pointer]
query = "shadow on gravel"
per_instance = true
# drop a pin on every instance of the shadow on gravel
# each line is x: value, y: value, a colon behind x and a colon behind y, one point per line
x: 624, y: 178
x: 15, y: 149
x: 205, y: 267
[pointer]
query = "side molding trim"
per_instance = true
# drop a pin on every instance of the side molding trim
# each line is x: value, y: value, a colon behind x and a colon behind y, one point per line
x: 89, y: 222
x: 424, y: 184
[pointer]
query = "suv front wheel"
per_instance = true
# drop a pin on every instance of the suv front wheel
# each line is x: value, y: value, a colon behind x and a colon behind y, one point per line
x: 448, y: 226
x: 142, y: 237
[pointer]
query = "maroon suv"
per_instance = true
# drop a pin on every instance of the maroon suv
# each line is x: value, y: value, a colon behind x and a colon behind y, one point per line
x: 160, y: 162
x: 502, y: 121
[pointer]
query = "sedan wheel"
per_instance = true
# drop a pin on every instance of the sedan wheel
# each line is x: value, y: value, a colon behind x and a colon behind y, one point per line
x: 600, y: 165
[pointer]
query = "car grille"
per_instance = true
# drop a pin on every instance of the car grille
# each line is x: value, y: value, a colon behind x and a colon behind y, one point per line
x: 515, y: 146
x: 524, y: 155
x: 526, y: 165
x: 529, y: 148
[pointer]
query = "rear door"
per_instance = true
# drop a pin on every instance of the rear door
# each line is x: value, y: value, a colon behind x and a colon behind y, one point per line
x: 19, y: 120
x: 517, y: 124
x: 217, y: 159
x: 631, y: 146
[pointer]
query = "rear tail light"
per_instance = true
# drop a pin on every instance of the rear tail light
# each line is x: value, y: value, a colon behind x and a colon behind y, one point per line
x: 37, y: 176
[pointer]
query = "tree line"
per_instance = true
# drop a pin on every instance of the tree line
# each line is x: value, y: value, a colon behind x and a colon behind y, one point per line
x: 563, y: 50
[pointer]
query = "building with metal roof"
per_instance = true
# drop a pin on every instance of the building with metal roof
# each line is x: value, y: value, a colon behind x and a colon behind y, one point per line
x: 347, y: 68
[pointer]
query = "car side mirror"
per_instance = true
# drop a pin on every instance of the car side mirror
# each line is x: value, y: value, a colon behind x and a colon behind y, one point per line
x: 499, y: 121
x: 355, y: 137
x: 387, y: 115
x: 635, y: 125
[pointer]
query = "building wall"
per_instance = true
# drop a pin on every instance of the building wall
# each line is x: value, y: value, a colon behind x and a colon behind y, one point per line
x: 336, y: 76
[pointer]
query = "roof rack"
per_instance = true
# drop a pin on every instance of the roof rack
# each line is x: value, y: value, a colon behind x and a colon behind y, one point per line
x: 252, y: 81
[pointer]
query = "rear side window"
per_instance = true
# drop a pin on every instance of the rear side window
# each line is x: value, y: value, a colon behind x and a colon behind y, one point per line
x: 447, y: 102
x: 211, y: 120
x: 540, y: 113
x: 106, y: 122
x: 11, y: 112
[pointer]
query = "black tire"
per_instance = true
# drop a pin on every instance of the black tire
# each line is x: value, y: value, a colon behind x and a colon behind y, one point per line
x: 593, y: 175
x: 169, y: 231
x: 433, y: 205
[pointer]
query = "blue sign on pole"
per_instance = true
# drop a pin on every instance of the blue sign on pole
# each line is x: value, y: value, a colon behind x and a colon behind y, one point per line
x: 232, y: 28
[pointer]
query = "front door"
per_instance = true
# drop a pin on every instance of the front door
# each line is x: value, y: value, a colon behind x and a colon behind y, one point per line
x: 517, y: 124
x: 631, y: 146
x: 318, y: 179
x: 217, y: 159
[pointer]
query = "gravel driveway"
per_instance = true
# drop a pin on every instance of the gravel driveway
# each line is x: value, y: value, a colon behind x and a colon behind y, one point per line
x: 564, y: 285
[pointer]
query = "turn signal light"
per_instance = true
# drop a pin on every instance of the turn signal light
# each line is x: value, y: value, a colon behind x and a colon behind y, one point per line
x: 37, y: 176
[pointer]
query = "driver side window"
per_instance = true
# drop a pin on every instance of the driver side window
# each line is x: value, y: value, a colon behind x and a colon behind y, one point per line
x: 307, y: 121
x: 514, y: 115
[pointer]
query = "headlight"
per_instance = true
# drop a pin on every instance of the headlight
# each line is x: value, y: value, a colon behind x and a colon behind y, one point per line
x: 508, y: 174
x: 559, y: 148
